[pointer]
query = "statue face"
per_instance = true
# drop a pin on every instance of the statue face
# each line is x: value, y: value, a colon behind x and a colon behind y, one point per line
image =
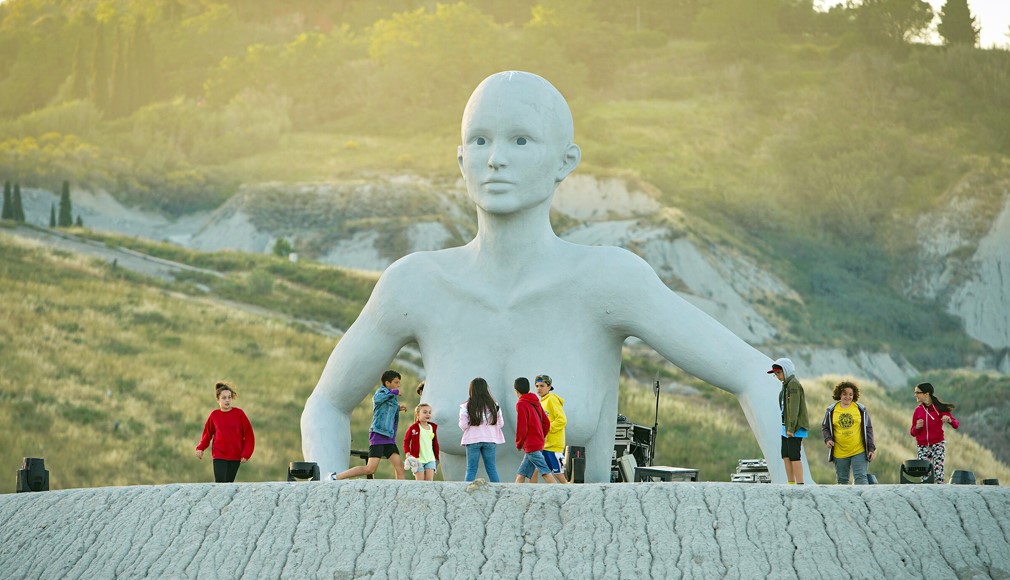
x: 513, y: 151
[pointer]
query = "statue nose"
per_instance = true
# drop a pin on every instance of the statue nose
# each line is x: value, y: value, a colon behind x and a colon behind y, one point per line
x: 496, y: 160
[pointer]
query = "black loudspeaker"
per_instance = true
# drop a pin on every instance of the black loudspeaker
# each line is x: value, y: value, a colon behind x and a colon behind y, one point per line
x: 33, y: 475
x: 916, y: 471
x: 992, y: 481
x: 962, y: 477
x: 575, y: 464
x: 303, y: 470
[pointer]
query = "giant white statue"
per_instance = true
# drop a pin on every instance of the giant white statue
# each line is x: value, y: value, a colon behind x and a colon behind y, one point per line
x: 517, y: 301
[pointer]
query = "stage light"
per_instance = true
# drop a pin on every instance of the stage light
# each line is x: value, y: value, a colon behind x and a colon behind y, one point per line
x: 916, y: 471
x: 303, y: 470
x: 33, y: 475
x: 962, y: 477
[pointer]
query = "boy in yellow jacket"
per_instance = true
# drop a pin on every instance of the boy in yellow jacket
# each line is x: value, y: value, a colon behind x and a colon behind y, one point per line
x: 554, y: 446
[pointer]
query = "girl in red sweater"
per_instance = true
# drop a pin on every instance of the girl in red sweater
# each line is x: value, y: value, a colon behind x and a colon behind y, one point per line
x: 420, y: 443
x: 927, y: 427
x: 232, y: 434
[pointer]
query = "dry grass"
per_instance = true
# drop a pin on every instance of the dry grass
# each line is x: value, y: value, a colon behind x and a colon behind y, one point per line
x: 110, y: 380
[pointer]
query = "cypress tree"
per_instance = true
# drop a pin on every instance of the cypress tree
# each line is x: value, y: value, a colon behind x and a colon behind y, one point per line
x: 100, y: 73
x: 52, y: 215
x: 80, y: 72
x: 18, y: 208
x: 957, y: 25
x: 66, y: 218
x: 79, y: 223
x: 119, y: 92
x: 8, y: 209
x: 141, y: 68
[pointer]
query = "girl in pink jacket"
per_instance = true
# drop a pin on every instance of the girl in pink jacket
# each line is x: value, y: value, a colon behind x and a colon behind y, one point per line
x: 927, y: 427
x: 481, y: 420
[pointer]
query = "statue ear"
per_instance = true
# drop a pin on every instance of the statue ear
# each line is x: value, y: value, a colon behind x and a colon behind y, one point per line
x: 573, y: 155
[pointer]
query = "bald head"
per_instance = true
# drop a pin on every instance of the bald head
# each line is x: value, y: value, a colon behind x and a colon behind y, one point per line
x: 533, y: 90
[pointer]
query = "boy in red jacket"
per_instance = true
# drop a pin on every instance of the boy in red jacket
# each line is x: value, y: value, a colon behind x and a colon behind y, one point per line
x: 531, y: 426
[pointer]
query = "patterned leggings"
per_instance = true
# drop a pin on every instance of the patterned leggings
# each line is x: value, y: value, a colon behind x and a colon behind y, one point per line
x: 934, y: 454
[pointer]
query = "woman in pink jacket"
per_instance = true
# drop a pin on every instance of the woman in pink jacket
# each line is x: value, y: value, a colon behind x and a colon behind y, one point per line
x: 927, y: 427
x: 481, y: 420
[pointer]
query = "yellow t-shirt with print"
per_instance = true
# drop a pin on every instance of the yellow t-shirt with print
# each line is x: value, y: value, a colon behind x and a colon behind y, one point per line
x: 848, y: 431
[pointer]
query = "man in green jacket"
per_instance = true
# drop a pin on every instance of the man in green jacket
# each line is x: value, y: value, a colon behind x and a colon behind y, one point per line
x: 793, y: 404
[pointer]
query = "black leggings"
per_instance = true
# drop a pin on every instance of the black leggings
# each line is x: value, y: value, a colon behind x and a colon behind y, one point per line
x: 225, y: 470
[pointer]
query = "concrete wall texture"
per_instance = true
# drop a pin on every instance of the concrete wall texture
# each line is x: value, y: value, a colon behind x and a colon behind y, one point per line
x: 390, y: 529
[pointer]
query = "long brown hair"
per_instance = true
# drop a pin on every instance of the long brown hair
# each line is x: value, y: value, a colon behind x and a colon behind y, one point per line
x: 481, y: 405
x: 940, y: 405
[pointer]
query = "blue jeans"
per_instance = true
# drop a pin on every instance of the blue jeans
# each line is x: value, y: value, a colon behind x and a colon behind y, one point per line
x: 858, y: 463
x: 533, y: 461
x: 474, y: 452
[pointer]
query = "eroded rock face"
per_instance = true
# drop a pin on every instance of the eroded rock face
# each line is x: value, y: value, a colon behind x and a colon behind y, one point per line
x: 964, y: 261
x: 415, y: 530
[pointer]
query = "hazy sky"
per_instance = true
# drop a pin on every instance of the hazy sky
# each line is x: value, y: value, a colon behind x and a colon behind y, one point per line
x: 993, y: 17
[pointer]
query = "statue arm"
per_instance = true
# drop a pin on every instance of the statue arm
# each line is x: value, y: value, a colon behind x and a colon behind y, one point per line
x: 700, y: 345
x: 352, y: 371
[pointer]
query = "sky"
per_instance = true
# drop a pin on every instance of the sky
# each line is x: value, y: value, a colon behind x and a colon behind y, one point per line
x: 993, y: 17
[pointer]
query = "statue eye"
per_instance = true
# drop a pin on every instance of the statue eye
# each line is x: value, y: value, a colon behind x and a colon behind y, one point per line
x: 521, y: 141
x: 481, y: 141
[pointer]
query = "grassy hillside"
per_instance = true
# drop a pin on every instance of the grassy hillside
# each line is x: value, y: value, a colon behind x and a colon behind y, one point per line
x: 809, y: 135
x: 109, y: 376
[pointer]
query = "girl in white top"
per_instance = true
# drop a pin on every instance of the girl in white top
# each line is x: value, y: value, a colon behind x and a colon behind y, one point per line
x: 481, y: 420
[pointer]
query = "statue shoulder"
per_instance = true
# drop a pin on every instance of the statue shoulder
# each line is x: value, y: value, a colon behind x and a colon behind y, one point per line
x: 619, y: 263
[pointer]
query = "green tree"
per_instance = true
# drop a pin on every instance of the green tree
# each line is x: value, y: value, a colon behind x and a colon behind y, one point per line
x: 957, y: 25
x: 18, y: 208
x: 52, y: 215
x: 893, y: 21
x: 282, y: 247
x: 79, y: 222
x: 66, y: 212
x: 100, y: 72
x: 79, y: 75
x: 738, y: 22
x: 8, y: 209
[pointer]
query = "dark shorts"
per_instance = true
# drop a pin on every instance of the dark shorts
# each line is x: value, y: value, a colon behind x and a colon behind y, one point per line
x: 552, y: 461
x: 384, y: 451
x: 791, y: 448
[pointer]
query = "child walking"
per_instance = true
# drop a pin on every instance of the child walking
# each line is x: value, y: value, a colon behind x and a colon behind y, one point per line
x: 231, y: 433
x: 386, y: 409
x: 532, y: 425
x: 420, y: 443
x: 481, y: 420
x: 927, y: 427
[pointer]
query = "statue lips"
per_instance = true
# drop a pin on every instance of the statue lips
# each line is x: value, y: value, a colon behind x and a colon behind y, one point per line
x: 497, y: 185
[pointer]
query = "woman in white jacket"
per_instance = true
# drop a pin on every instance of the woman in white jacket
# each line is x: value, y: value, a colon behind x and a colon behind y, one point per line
x: 481, y: 420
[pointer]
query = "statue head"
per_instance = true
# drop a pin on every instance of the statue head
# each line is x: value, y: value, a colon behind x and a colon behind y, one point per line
x: 517, y: 142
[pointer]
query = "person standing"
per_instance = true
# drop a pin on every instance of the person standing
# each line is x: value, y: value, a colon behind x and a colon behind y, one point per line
x: 927, y: 427
x: 386, y: 409
x: 481, y: 420
x: 554, y: 444
x: 793, y: 405
x: 531, y: 426
x: 420, y: 443
x: 231, y: 432
x: 848, y: 433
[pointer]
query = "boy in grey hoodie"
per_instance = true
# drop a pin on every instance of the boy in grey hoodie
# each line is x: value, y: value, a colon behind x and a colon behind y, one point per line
x: 793, y: 405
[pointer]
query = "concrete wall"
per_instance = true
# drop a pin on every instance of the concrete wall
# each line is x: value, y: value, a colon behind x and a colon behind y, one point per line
x: 407, y: 529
